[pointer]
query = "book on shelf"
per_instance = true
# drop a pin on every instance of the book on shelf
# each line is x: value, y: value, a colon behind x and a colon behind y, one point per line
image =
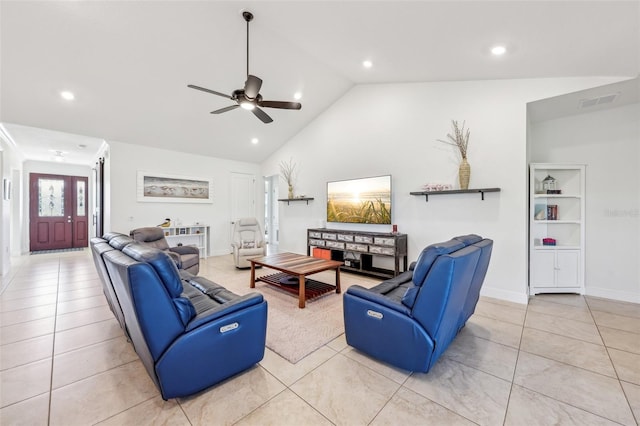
x: 552, y: 212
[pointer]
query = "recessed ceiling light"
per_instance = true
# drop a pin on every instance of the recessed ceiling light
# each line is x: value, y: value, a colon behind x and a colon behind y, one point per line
x: 69, y: 96
x: 297, y: 96
x: 254, y: 141
x: 367, y: 64
x: 498, y: 50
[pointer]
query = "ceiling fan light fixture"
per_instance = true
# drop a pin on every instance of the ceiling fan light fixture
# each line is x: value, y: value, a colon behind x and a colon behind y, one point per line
x: 249, y: 106
x: 67, y: 95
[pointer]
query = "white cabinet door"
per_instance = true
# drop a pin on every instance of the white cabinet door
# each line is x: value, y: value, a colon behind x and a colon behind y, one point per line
x: 543, y: 263
x: 567, y: 272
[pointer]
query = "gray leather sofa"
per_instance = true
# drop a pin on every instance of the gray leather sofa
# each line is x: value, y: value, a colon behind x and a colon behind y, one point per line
x: 185, y: 257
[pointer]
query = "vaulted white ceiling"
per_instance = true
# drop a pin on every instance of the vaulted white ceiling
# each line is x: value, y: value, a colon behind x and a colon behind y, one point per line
x: 129, y: 63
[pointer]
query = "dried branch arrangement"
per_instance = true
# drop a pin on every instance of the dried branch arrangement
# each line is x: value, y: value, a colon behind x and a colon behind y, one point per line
x: 459, y: 138
x: 287, y: 170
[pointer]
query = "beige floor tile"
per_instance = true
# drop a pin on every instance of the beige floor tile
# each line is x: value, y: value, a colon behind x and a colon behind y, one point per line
x: 80, y: 285
x: 471, y: 393
x: 500, y: 311
x: 154, y: 411
x: 232, y: 399
x: 30, y: 412
x: 25, y: 351
x: 29, y: 314
x: 396, y: 374
x: 27, y: 302
x: 84, y: 317
x: 571, y: 328
x: 575, y: 386
x: 24, y: 382
x: 577, y: 313
x: 34, y: 281
x: 344, y: 391
x: 78, y: 337
x: 284, y: 409
x: 79, y: 364
x: 339, y: 343
x: 614, y: 306
x: 619, y: 322
x: 26, y: 330
x: 619, y: 339
x: 514, y: 305
x: 289, y: 373
x: 627, y: 365
x: 494, y: 330
x: 570, y: 351
x: 20, y: 293
x: 487, y: 356
x: 81, y: 304
x: 533, y: 409
x: 408, y: 408
x: 101, y: 396
x: 65, y: 296
x: 633, y: 396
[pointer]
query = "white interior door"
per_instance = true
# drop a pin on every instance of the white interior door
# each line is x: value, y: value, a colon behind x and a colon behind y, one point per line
x: 243, y: 202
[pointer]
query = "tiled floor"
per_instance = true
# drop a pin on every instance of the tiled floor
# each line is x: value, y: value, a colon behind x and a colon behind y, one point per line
x: 561, y: 360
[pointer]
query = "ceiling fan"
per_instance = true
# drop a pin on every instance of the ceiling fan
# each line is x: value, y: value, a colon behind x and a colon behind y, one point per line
x: 249, y: 97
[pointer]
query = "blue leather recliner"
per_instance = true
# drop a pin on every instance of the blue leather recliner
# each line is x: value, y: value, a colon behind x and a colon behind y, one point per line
x: 410, y: 320
x: 189, y: 332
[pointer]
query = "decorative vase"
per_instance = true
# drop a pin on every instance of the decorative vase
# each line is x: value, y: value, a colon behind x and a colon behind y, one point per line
x: 290, y: 192
x: 464, y: 174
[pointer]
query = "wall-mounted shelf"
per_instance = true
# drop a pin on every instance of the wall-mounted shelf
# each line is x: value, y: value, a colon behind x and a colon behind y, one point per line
x: 456, y: 191
x: 288, y: 200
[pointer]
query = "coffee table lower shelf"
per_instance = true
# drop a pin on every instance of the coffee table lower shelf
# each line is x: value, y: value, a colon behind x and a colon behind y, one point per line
x: 312, y: 288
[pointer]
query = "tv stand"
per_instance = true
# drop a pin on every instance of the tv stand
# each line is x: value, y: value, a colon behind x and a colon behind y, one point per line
x: 357, y: 249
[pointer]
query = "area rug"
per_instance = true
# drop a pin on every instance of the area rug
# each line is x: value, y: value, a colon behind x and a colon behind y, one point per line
x: 294, y: 333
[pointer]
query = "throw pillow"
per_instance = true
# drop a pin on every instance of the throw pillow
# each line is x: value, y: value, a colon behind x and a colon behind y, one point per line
x: 247, y: 244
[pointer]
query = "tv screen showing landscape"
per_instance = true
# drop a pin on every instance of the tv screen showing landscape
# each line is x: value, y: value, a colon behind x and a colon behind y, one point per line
x: 364, y: 200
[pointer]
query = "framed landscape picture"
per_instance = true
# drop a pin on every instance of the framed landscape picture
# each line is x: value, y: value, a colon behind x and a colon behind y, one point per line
x: 163, y: 188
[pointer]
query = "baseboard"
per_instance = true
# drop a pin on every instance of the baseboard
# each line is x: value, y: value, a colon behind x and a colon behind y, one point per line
x: 510, y: 296
x: 607, y: 293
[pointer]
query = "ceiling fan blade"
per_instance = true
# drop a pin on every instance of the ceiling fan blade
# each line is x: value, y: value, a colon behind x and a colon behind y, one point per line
x: 225, y: 109
x: 252, y: 86
x: 262, y: 115
x: 281, y: 105
x: 209, y: 91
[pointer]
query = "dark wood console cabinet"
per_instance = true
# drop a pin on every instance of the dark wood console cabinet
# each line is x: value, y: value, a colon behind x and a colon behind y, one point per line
x: 357, y: 249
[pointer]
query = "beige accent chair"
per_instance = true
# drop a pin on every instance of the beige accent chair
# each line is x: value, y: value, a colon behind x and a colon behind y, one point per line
x: 248, y: 241
x: 185, y: 257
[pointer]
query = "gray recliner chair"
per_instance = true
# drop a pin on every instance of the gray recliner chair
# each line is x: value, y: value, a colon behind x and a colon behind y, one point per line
x: 248, y: 241
x: 186, y: 258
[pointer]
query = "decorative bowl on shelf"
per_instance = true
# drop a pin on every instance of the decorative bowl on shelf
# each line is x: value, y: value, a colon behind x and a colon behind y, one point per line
x: 433, y: 187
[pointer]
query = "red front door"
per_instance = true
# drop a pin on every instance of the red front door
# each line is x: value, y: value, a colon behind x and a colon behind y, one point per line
x: 57, y: 212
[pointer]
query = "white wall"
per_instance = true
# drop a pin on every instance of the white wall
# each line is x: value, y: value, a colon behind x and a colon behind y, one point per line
x: 609, y: 143
x: 392, y: 129
x: 126, y: 212
x: 50, y: 168
x: 10, y: 210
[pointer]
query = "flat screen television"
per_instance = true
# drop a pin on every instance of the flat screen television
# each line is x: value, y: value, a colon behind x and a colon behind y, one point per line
x: 364, y: 200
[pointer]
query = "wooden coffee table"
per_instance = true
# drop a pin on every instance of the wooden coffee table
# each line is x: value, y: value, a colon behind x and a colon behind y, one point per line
x: 297, y: 266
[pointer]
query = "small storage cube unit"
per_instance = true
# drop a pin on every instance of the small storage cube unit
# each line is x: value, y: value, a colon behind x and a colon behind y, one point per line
x: 556, y: 228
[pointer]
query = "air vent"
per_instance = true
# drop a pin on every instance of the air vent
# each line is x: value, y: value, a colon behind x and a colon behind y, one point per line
x: 604, y: 99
